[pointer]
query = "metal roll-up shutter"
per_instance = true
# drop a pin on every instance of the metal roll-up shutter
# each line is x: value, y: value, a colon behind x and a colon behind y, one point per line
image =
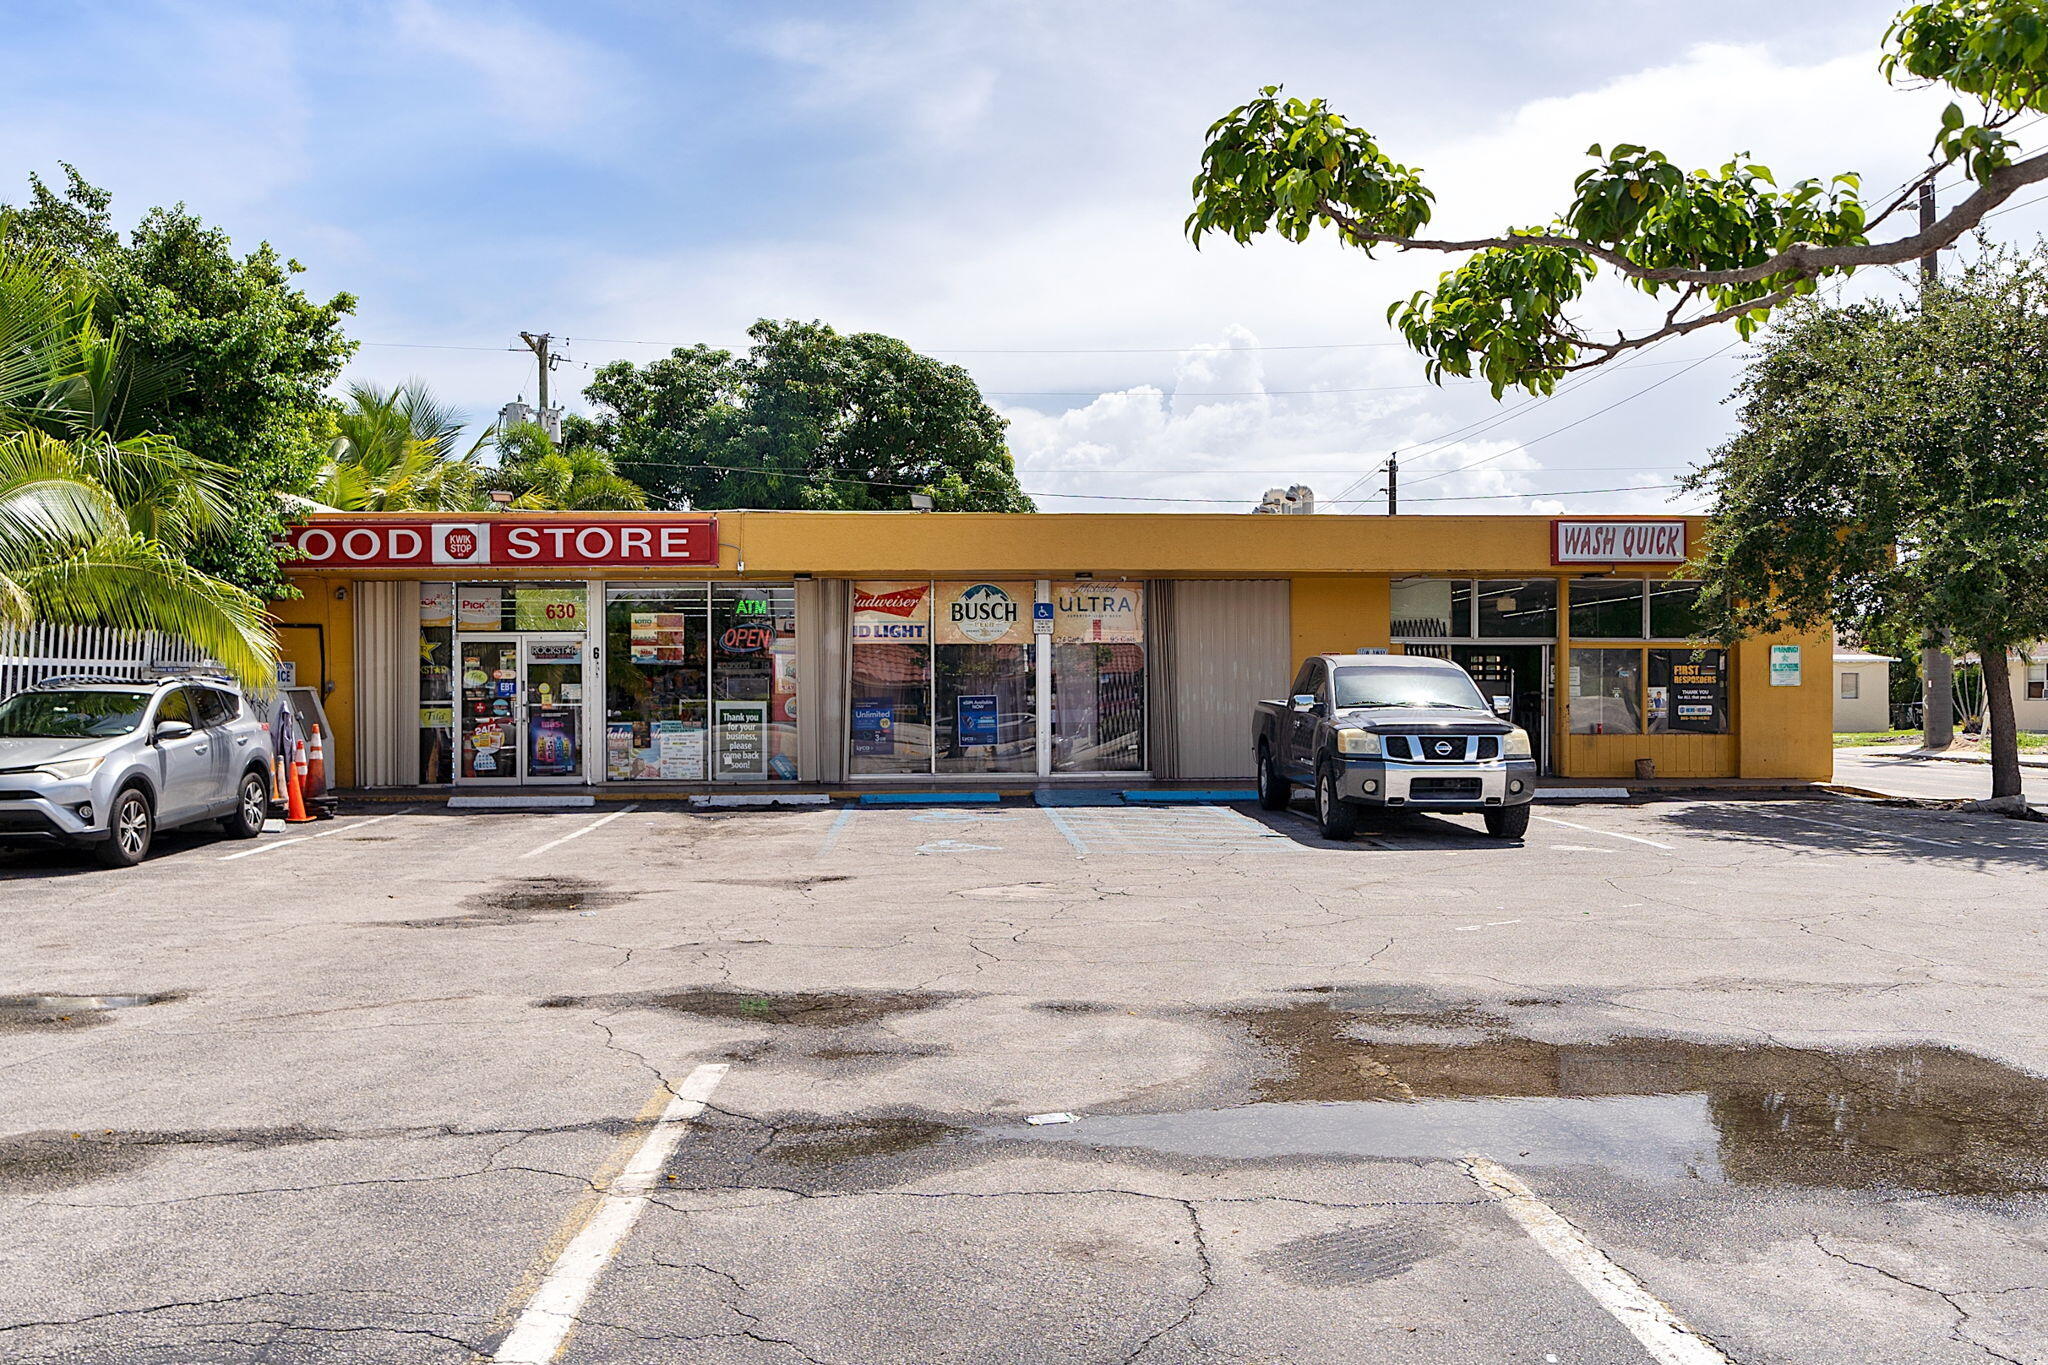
x: 1227, y: 642
x: 387, y: 684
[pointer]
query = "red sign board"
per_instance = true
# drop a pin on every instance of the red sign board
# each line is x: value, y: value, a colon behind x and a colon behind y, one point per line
x: 504, y: 544
x: 1640, y: 541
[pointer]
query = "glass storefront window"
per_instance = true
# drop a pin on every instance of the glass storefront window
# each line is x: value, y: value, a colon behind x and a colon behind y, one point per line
x: 1098, y: 677
x: 657, y: 682
x: 1674, y: 610
x: 1512, y: 607
x: 501, y: 607
x: 437, y: 683
x: 1429, y: 608
x: 1689, y: 691
x: 1606, y: 691
x: 889, y: 710
x: 985, y: 678
x: 753, y: 683
x: 1607, y: 609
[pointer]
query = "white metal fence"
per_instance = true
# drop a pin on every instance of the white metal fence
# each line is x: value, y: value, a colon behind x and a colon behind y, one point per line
x: 45, y: 651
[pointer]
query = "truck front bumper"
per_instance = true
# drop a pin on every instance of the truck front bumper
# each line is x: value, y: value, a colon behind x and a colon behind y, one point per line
x: 1437, y: 786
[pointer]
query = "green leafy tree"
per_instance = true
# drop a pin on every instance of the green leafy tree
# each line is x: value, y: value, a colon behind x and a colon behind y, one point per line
x: 98, y: 520
x: 399, y: 450
x: 1888, y: 474
x: 1711, y: 246
x: 808, y: 418
x: 239, y: 358
x: 578, y: 478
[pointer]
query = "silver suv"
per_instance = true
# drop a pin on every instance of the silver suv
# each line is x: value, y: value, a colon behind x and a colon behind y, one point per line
x: 103, y: 763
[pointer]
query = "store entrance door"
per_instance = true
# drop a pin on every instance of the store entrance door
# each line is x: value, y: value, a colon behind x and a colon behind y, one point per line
x: 1520, y: 673
x: 522, y: 709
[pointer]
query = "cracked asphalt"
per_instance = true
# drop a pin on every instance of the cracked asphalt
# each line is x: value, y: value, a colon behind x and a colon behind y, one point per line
x: 1779, y: 1061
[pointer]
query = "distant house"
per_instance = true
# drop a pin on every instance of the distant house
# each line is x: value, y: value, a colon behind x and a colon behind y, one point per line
x: 2030, y: 689
x: 1863, y: 690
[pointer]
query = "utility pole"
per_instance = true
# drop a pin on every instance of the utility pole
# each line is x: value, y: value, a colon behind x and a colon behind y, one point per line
x: 548, y: 360
x: 1393, y: 482
x: 1937, y: 668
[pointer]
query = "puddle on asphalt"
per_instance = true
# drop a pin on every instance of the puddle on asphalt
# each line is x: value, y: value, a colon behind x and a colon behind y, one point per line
x: 58, y: 1012
x: 800, y: 1009
x: 831, y: 1144
x: 41, y: 1162
x: 521, y: 902
x: 1363, y: 1078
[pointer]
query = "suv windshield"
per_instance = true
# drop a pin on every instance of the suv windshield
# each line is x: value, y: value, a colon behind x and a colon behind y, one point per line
x: 1426, y: 687
x: 71, y: 715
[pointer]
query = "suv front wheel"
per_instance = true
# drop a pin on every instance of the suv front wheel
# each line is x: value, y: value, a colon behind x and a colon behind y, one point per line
x: 130, y: 826
x: 252, y: 808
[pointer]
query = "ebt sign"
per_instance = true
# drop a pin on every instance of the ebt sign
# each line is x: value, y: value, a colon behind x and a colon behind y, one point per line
x: 504, y: 544
x: 1617, y: 542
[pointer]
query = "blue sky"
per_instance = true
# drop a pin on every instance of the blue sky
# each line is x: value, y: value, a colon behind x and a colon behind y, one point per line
x: 999, y: 183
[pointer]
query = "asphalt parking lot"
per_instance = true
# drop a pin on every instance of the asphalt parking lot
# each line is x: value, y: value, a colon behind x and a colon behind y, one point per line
x: 1679, y: 1081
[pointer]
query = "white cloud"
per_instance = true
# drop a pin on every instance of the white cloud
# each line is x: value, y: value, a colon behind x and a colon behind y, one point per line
x: 539, y: 79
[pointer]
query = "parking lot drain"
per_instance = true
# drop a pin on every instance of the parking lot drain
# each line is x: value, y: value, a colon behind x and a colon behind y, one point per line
x: 1353, y: 1255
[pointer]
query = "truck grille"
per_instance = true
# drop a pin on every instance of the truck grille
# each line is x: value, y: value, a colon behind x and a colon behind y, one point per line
x: 1431, y: 748
x: 1444, y: 788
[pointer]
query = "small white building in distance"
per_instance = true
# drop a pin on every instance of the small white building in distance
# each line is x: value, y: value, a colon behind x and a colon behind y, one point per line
x: 1863, y: 691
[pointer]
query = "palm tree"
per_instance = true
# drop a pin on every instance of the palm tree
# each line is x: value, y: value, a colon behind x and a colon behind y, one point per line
x: 95, y: 517
x: 395, y: 451
x: 543, y: 477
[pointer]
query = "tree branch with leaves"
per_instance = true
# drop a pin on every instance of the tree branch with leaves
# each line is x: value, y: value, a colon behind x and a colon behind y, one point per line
x: 1726, y: 245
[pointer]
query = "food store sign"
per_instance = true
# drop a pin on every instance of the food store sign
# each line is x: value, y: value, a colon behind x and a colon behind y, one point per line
x: 1617, y: 542
x: 503, y: 544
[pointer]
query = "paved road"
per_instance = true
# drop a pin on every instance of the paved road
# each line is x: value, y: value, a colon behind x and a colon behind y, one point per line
x: 1757, y: 1081
x: 1898, y: 776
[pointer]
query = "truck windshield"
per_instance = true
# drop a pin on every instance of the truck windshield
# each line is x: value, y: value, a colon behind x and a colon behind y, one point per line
x: 1423, y: 687
x: 71, y: 715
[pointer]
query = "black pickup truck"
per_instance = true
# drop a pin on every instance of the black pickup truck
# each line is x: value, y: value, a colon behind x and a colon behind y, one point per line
x: 1393, y: 732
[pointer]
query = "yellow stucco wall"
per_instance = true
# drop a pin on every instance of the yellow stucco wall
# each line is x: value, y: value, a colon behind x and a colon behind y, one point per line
x: 1340, y: 569
x: 299, y: 644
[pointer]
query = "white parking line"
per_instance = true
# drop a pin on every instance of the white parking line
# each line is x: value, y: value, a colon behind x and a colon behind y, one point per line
x: 839, y: 825
x: 1648, y: 1319
x: 1609, y: 833
x: 579, y: 833
x: 1866, y: 831
x: 543, y: 1325
x: 276, y: 844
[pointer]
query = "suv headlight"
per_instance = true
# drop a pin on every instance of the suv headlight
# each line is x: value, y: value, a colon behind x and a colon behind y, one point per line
x: 1358, y: 743
x: 71, y: 769
x: 1518, y: 745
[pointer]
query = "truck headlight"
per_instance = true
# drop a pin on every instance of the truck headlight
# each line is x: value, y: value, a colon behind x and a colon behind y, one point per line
x: 1518, y: 744
x: 1358, y: 743
x: 70, y: 769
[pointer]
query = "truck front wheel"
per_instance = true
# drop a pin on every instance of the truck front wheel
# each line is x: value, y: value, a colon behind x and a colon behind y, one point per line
x: 1336, y: 818
x: 1508, y: 822
x: 1275, y: 791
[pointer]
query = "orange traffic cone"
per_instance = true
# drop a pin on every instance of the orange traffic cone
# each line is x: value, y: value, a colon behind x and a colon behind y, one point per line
x: 295, y: 801
x: 316, y: 763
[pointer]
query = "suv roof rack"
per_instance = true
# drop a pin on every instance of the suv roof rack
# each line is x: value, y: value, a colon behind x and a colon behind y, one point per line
x: 75, y: 679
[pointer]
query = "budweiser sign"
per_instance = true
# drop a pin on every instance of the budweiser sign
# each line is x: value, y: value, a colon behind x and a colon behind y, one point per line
x: 503, y: 543
x: 895, y: 612
x: 904, y: 602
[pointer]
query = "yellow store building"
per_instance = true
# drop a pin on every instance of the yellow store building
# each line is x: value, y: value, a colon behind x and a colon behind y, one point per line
x: 852, y: 648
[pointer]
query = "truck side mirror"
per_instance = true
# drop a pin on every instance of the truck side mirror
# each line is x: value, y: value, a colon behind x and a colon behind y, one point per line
x: 1304, y: 701
x: 1504, y: 707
